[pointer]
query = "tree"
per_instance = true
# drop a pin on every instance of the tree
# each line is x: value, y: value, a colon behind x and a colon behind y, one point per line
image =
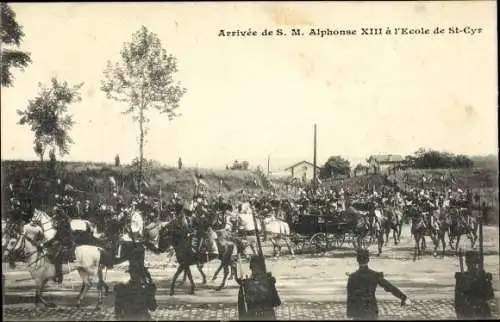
x: 144, y: 80
x: 12, y: 35
x: 48, y: 118
x: 335, y: 165
x: 432, y: 159
x: 39, y: 149
x: 117, y: 160
x: 179, y: 163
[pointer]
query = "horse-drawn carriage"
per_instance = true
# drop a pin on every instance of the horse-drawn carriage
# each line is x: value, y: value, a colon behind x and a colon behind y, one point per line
x: 320, y: 232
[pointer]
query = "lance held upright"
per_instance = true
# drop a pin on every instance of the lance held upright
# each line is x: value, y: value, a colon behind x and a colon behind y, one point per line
x: 257, y: 296
x: 473, y: 288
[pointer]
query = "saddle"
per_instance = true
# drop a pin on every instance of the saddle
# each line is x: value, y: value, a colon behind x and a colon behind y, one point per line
x: 64, y: 252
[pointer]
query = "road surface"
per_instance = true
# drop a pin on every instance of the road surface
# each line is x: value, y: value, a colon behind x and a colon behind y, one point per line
x: 310, y: 286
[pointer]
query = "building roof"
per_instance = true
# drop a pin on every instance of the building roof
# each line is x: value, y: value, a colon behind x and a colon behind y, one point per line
x: 386, y: 158
x: 301, y: 162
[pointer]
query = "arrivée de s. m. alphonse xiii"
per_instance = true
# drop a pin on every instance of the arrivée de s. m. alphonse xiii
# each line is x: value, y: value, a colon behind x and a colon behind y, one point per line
x: 267, y: 162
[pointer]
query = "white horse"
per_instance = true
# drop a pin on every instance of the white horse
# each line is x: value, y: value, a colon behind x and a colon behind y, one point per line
x: 278, y: 231
x: 29, y: 244
x: 246, y: 229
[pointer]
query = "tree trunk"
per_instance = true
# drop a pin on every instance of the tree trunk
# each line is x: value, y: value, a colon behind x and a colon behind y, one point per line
x: 141, y: 147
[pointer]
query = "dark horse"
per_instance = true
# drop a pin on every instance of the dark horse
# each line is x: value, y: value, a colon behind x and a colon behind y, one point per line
x: 177, y: 235
x: 462, y: 223
x: 393, y: 220
x: 362, y: 224
x: 420, y: 228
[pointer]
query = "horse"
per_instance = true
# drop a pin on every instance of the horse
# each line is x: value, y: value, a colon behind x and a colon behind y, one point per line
x: 278, y: 231
x: 462, y: 223
x: 178, y: 236
x: 444, y: 223
x: 361, y: 224
x: 420, y: 228
x: 392, y: 221
x: 245, y: 226
x: 28, y: 246
x: 378, y: 223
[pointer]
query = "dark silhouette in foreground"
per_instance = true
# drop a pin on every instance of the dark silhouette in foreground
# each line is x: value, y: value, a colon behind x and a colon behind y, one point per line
x: 361, y: 287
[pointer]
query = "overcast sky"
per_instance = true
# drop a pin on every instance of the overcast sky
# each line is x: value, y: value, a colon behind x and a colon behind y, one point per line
x: 253, y: 97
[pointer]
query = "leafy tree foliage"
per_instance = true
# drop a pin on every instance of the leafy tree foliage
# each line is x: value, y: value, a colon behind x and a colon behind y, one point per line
x: 117, y: 160
x: 12, y: 35
x: 240, y: 165
x: 334, y: 166
x: 144, y: 80
x: 432, y: 159
x: 47, y: 115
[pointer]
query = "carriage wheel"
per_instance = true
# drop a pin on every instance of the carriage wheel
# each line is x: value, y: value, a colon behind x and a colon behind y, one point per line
x: 318, y: 243
x: 338, y: 240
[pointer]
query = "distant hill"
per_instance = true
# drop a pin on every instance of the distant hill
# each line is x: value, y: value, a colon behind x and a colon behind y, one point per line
x: 91, y: 179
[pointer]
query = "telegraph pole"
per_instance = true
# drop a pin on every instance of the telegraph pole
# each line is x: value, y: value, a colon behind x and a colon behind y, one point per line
x: 268, y: 162
x: 314, y: 160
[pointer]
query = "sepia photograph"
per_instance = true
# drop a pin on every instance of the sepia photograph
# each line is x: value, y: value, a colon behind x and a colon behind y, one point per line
x: 249, y: 161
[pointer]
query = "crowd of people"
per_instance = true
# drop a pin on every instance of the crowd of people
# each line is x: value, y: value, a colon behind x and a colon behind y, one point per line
x: 114, y: 218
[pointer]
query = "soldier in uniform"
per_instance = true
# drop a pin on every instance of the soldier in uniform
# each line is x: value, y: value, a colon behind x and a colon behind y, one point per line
x: 204, y: 232
x: 361, y: 287
x: 135, y: 299
x: 62, y: 242
x: 473, y: 290
x: 258, y: 296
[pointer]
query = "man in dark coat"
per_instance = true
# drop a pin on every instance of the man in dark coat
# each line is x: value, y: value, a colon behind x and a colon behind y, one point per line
x: 361, y: 287
x: 257, y: 296
x: 473, y: 290
x: 135, y: 299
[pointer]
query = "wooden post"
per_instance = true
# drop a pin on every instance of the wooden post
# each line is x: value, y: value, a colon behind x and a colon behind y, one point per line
x: 314, y: 160
x: 268, y: 162
x: 259, y: 245
x: 482, y: 213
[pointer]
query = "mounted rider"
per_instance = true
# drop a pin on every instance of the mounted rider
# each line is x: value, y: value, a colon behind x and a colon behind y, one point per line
x: 83, y: 232
x: 60, y: 247
x: 202, y: 222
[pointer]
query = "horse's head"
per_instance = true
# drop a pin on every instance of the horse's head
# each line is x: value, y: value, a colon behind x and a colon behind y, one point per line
x: 20, y: 242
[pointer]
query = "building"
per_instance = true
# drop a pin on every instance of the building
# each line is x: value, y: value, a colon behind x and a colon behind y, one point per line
x: 303, y: 171
x: 384, y: 163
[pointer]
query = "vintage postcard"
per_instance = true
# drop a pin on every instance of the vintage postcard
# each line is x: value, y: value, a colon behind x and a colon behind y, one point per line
x: 249, y: 160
